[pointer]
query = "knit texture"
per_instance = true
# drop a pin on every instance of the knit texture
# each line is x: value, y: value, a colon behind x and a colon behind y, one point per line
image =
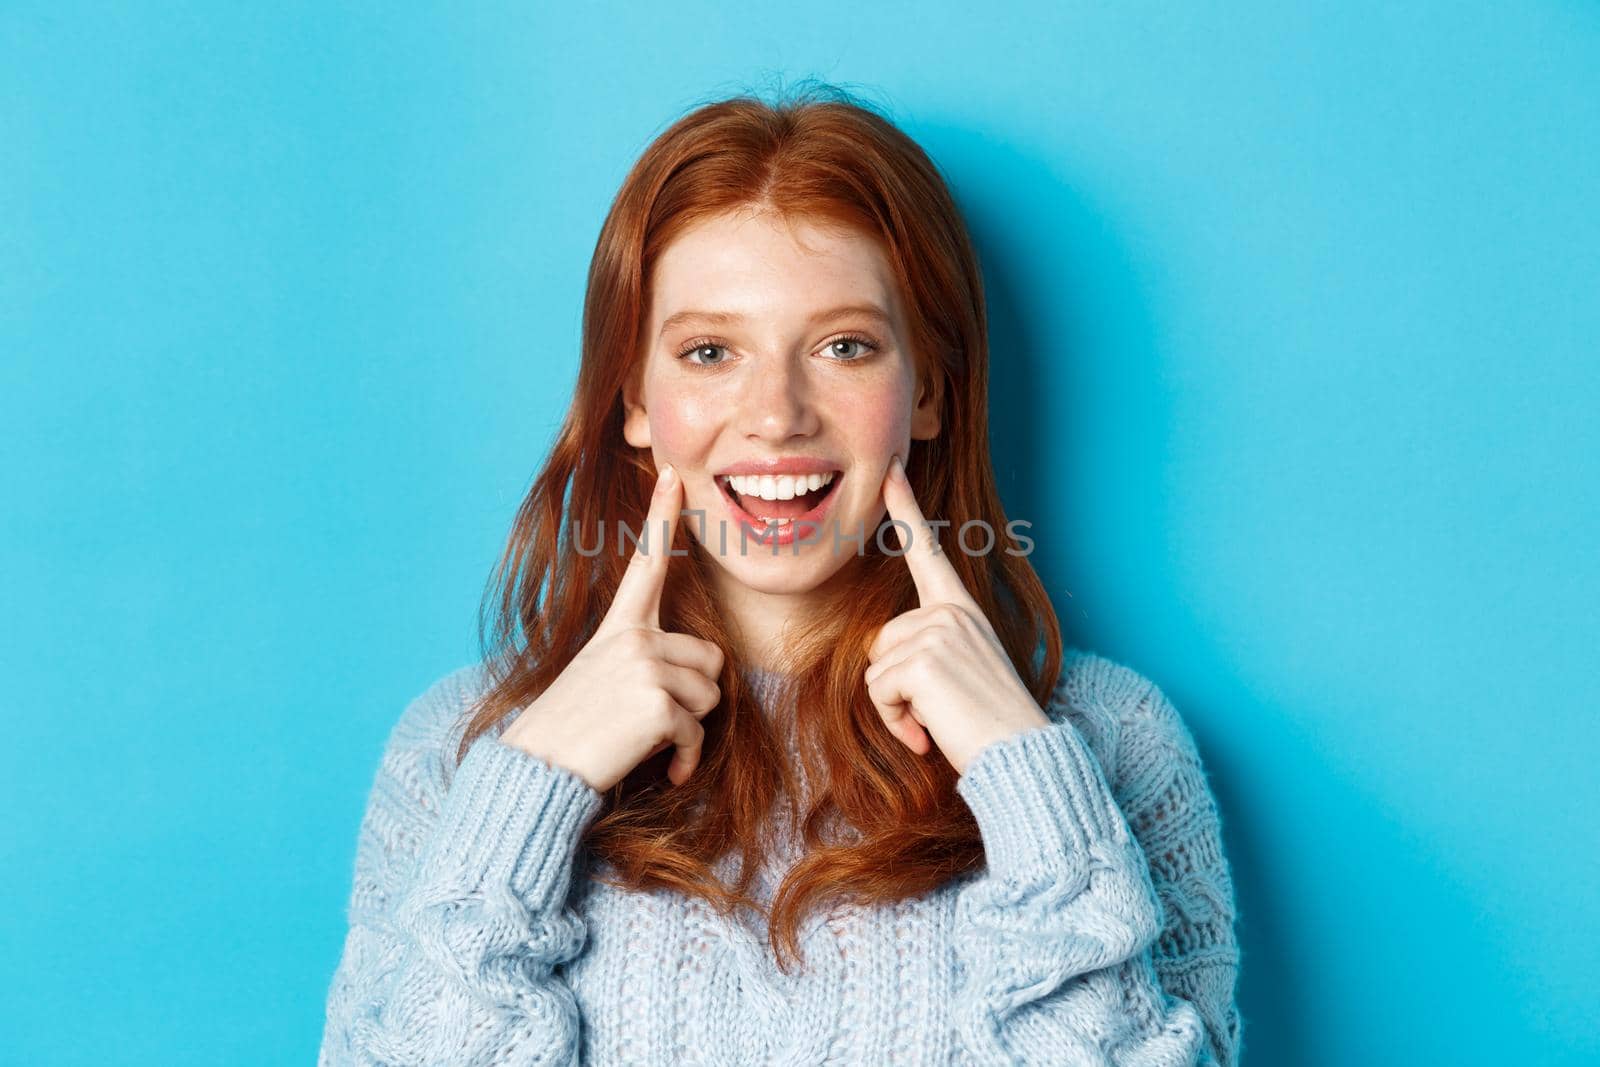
x: 1100, y: 931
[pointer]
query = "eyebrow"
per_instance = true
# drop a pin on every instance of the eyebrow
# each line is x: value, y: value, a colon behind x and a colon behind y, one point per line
x: 727, y: 318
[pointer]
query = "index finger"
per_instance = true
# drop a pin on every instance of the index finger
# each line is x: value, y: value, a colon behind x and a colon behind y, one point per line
x: 638, y: 599
x: 937, y: 581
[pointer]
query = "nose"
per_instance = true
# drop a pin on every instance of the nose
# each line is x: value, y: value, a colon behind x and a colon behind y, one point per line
x: 776, y: 404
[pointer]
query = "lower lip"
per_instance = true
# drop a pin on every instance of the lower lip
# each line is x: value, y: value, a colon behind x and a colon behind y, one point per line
x: 757, y: 530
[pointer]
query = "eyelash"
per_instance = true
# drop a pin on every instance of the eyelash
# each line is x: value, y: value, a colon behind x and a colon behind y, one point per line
x: 712, y: 342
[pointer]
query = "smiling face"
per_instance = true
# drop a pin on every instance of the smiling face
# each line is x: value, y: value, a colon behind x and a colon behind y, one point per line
x: 778, y: 350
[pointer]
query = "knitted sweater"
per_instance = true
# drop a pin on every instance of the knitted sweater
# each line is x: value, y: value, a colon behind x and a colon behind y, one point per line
x: 1100, y: 930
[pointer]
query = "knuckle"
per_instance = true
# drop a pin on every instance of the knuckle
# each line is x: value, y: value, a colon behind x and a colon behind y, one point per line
x: 660, y: 711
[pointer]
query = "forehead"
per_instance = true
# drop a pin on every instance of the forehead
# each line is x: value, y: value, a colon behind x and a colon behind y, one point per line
x: 757, y: 263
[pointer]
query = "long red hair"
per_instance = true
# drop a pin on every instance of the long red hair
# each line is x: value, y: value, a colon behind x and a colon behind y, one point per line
x: 824, y: 157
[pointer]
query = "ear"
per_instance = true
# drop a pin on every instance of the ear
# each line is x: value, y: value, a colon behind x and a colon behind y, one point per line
x: 925, y: 415
x: 635, y: 419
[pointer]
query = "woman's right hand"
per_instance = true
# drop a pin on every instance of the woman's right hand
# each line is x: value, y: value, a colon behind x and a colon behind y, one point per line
x: 634, y: 689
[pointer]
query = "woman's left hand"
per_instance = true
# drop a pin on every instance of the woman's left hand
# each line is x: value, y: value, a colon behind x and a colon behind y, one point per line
x: 939, y: 669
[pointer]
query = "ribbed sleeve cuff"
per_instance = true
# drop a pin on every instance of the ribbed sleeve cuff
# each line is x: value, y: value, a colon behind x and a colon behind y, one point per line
x: 1039, y: 796
x: 510, y: 819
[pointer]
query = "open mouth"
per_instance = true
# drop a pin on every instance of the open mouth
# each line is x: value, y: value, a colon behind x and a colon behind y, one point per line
x: 769, y: 518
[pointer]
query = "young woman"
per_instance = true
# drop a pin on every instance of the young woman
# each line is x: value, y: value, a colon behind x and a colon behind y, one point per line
x: 746, y: 777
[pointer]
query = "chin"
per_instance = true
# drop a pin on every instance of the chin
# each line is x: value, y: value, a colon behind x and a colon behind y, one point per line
x: 782, y: 574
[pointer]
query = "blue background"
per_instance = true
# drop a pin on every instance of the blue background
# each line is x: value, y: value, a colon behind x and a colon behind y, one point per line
x: 1294, y: 312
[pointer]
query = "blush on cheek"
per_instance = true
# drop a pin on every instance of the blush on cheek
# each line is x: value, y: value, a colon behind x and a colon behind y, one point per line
x: 681, y: 430
x: 878, y: 422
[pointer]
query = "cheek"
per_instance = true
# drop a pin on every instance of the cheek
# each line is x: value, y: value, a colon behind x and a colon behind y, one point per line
x: 681, y: 425
x: 878, y: 420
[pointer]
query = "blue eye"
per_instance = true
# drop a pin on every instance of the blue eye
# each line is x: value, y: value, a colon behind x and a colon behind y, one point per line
x: 853, y: 339
x: 697, y: 347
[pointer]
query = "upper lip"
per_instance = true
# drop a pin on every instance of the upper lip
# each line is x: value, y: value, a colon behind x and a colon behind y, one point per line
x: 785, y: 465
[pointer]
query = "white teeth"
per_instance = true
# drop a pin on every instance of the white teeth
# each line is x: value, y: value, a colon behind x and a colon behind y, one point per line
x: 781, y: 487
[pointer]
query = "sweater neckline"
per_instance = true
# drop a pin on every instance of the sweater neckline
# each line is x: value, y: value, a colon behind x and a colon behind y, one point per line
x: 767, y: 684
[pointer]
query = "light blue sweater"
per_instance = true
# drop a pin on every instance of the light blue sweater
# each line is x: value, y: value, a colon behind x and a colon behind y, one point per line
x: 1101, y: 931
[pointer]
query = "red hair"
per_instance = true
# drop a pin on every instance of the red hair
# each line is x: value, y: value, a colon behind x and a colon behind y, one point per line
x: 824, y: 158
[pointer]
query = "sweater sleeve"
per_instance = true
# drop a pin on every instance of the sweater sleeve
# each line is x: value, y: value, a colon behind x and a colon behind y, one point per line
x: 459, y: 915
x: 1057, y: 937
x: 1175, y: 818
